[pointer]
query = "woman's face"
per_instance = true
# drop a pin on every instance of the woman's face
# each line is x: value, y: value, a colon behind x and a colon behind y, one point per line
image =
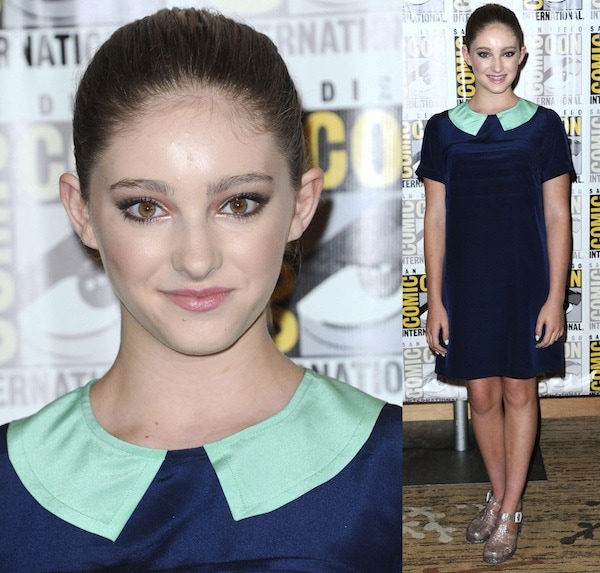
x: 495, y: 57
x: 191, y: 211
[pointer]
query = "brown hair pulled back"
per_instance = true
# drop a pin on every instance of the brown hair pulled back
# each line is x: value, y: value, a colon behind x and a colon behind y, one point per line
x: 492, y: 14
x: 176, y: 50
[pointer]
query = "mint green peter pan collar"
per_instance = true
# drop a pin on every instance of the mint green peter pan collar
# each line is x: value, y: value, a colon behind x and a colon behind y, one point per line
x: 469, y: 121
x: 87, y: 477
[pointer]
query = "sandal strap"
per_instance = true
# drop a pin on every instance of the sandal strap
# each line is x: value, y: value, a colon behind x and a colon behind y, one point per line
x: 489, y: 498
x: 517, y: 517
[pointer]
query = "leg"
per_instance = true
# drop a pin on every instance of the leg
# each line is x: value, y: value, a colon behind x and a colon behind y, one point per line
x: 521, y: 416
x: 521, y: 412
x: 485, y: 397
x: 487, y: 418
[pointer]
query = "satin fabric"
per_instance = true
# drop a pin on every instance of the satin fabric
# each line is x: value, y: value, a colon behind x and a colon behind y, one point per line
x: 351, y: 523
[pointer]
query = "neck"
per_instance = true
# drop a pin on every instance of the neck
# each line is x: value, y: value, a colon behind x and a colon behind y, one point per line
x: 156, y: 397
x: 493, y: 104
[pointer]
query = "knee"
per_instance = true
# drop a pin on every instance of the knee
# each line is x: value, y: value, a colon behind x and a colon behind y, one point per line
x: 520, y: 395
x: 482, y: 404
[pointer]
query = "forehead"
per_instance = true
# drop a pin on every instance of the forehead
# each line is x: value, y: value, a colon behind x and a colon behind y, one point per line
x: 175, y: 136
x: 209, y: 105
x: 496, y: 31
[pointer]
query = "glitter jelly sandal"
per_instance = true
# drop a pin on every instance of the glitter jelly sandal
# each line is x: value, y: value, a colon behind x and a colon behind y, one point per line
x: 483, y: 524
x: 502, y: 543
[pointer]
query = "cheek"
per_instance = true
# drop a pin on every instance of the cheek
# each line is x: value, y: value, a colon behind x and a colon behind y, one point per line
x: 124, y: 258
x: 262, y: 253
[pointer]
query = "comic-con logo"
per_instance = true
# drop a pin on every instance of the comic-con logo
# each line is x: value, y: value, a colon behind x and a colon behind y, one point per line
x: 413, y: 359
x: 462, y: 6
x: 416, y: 10
x: 552, y: 5
x: 424, y: 70
x: 412, y: 137
x: 595, y: 145
x: 573, y: 359
x: 595, y: 66
x: 573, y: 129
x: 413, y: 214
x: 8, y: 327
x: 31, y: 158
x: 414, y: 300
x: 533, y: 4
x: 465, y: 78
x: 595, y: 296
x: 576, y: 221
x: 574, y: 300
x: 594, y: 222
x: 357, y: 149
x: 38, y: 13
x: 553, y: 65
x: 595, y: 366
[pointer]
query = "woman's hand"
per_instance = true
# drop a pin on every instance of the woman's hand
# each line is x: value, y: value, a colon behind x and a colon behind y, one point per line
x: 437, y: 329
x: 550, y: 324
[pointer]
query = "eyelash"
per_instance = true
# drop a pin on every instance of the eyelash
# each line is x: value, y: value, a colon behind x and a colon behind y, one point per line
x: 486, y: 54
x: 126, y: 204
x: 260, y: 200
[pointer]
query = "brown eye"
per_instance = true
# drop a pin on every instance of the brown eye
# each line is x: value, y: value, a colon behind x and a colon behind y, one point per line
x: 147, y: 209
x: 244, y: 205
x: 239, y: 205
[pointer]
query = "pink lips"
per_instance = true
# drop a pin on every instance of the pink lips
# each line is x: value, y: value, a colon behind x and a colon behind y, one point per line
x: 201, y: 300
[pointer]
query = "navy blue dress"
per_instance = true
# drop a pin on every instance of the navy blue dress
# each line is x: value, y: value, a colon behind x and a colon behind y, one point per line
x: 496, y: 276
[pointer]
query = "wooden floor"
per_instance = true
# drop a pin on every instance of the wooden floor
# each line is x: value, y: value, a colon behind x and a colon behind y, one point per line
x: 561, y: 515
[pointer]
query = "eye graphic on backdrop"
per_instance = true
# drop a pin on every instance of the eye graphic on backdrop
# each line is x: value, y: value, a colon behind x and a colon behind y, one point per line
x: 69, y: 285
x: 563, y: 76
x: 41, y: 12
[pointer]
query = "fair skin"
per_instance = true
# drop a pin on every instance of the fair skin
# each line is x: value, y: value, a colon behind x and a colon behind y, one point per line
x: 495, y: 57
x: 504, y: 411
x: 191, y: 210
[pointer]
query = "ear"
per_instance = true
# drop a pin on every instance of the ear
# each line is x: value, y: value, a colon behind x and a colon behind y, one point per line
x: 523, y: 54
x: 77, y: 209
x: 465, y: 54
x: 307, y: 200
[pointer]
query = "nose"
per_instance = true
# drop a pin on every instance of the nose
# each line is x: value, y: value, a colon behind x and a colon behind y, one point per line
x: 196, y: 250
x: 497, y: 64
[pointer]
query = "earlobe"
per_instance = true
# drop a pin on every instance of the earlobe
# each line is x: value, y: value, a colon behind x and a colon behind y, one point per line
x: 77, y: 209
x: 307, y: 201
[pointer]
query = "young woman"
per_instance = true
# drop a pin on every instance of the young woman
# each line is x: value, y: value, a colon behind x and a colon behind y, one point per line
x: 203, y: 448
x: 497, y: 174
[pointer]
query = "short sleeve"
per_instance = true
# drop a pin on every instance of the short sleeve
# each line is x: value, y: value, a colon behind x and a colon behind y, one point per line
x: 432, y: 158
x: 556, y: 153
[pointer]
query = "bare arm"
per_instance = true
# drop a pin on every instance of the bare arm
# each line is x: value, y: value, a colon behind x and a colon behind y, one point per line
x: 435, y: 250
x: 557, y: 217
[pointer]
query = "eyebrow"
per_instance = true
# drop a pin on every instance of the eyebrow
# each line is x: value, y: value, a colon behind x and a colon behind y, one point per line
x: 220, y: 186
x: 238, y: 181
x: 155, y: 185
x: 501, y: 49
